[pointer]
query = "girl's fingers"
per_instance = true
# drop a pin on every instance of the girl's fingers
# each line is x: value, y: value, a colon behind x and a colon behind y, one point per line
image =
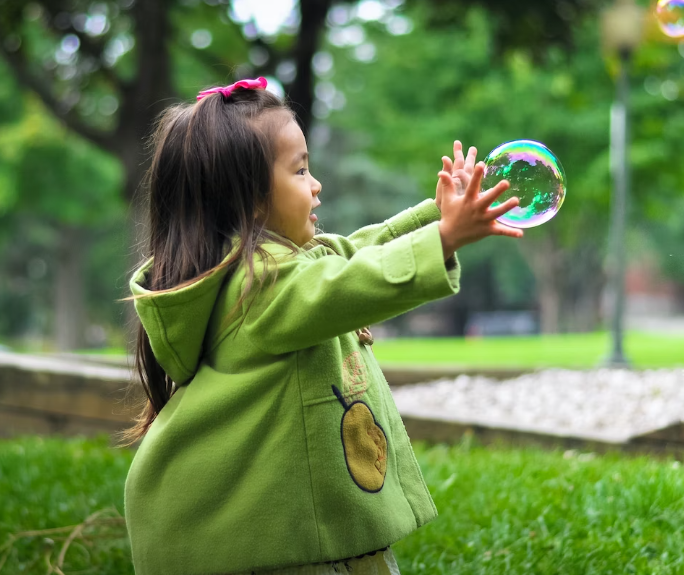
x: 462, y: 174
x: 464, y: 177
x: 498, y: 211
x: 446, y: 179
x: 499, y: 229
x: 489, y: 197
x: 447, y: 166
x: 473, y: 190
x: 458, y: 156
x: 469, y: 164
x: 452, y: 184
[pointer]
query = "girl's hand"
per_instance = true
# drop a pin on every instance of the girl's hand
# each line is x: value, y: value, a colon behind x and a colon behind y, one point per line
x: 461, y: 167
x: 467, y: 216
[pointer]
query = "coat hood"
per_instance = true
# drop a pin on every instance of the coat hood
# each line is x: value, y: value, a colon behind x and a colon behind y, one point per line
x: 176, y: 322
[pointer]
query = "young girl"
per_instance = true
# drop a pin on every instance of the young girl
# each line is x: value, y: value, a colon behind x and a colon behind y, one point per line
x: 271, y: 440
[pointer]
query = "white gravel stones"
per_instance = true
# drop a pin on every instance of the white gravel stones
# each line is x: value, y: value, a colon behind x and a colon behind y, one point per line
x: 606, y: 405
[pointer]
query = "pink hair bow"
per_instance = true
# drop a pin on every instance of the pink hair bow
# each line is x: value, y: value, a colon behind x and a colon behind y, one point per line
x: 258, y: 84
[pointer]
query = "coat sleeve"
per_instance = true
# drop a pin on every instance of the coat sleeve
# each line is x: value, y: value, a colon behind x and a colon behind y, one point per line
x: 313, y: 300
x: 403, y: 223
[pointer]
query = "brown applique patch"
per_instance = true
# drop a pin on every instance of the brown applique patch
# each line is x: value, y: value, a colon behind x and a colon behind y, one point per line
x: 364, y: 443
x: 354, y: 376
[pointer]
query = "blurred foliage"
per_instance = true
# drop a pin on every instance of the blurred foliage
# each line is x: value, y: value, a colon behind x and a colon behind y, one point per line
x: 533, y: 26
x: 50, y: 178
x: 421, y: 90
x: 391, y: 95
x: 90, y: 55
x: 356, y: 191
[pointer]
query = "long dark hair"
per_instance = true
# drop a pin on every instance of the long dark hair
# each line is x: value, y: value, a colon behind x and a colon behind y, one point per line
x: 211, y: 173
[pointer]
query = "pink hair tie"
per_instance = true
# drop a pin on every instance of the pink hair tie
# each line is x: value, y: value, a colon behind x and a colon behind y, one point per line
x: 258, y: 84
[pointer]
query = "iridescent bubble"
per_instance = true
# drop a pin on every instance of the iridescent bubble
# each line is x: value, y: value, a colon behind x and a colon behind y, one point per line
x: 537, y: 179
x: 670, y: 15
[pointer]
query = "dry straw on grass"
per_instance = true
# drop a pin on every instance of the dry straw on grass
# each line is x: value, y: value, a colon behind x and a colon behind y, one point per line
x: 105, y: 523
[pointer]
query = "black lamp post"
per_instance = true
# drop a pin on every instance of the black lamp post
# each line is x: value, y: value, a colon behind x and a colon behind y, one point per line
x: 622, y: 25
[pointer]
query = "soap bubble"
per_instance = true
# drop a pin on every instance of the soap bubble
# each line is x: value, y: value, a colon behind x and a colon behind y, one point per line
x: 670, y: 15
x: 536, y: 177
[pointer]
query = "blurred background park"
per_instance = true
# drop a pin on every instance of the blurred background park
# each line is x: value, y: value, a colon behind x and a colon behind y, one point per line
x: 382, y: 88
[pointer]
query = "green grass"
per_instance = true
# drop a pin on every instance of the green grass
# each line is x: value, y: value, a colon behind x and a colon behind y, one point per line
x: 578, y: 350
x: 529, y: 511
x: 502, y: 510
x: 530, y: 352
x: 49, y: 483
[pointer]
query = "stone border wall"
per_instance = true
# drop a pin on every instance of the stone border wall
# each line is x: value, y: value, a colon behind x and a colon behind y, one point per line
x: 70, y: 395
x: 667, y: 441
x: 52, y: 395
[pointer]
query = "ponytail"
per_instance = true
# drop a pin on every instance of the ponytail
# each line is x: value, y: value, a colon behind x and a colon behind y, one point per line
x: 157, y: 386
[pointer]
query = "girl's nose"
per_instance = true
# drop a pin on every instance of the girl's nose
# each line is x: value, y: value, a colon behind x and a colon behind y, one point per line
x: 316, y: 187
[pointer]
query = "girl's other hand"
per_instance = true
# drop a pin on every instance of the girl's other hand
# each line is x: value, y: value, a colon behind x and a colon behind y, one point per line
x: 460, y: 168
x: 467, y: 215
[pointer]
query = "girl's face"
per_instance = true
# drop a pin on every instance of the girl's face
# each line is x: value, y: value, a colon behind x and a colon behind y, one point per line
x: 295, y: 190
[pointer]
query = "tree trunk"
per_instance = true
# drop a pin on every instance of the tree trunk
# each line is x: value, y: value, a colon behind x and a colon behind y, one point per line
x: 69, y: 297
x: 584, y: 283
x: 546, y: 261
x: 313, y: 13
x: 143, y: 100
x: 587, y: 310
x: 549, y: 306
x: 569, y: 281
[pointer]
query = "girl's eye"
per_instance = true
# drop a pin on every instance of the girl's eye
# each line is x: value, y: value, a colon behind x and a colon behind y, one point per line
x: 301, y: 172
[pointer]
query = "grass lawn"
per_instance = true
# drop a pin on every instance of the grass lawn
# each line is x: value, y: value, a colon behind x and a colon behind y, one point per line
x: 50, y: 483
x: 501, y: 511
x: 530, y: 511
x: 578, y: 350
x: 581, y: 351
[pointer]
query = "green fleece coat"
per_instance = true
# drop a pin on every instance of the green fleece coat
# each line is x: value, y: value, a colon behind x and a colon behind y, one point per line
x: 282, y: 445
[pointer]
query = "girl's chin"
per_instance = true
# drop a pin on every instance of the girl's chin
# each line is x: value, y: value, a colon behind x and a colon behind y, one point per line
x: 305, y: 237
x: 312, y: 233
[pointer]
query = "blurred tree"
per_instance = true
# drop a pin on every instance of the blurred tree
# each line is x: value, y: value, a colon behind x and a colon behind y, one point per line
x: 421, y: 89
x: 532, y: 26
x: 73, y: 189
x: 657, y: 146
x: 68, y: 189
x: 356, y: 191
x: 107, y: 68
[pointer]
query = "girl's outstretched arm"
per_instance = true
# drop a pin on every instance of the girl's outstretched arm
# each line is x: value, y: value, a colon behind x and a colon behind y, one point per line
x: 403, y: 223
x: 410, y: 219
x: 317, y: 296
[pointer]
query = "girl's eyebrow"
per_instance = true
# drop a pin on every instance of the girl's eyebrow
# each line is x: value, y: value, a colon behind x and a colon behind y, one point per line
x: 304, y: 156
